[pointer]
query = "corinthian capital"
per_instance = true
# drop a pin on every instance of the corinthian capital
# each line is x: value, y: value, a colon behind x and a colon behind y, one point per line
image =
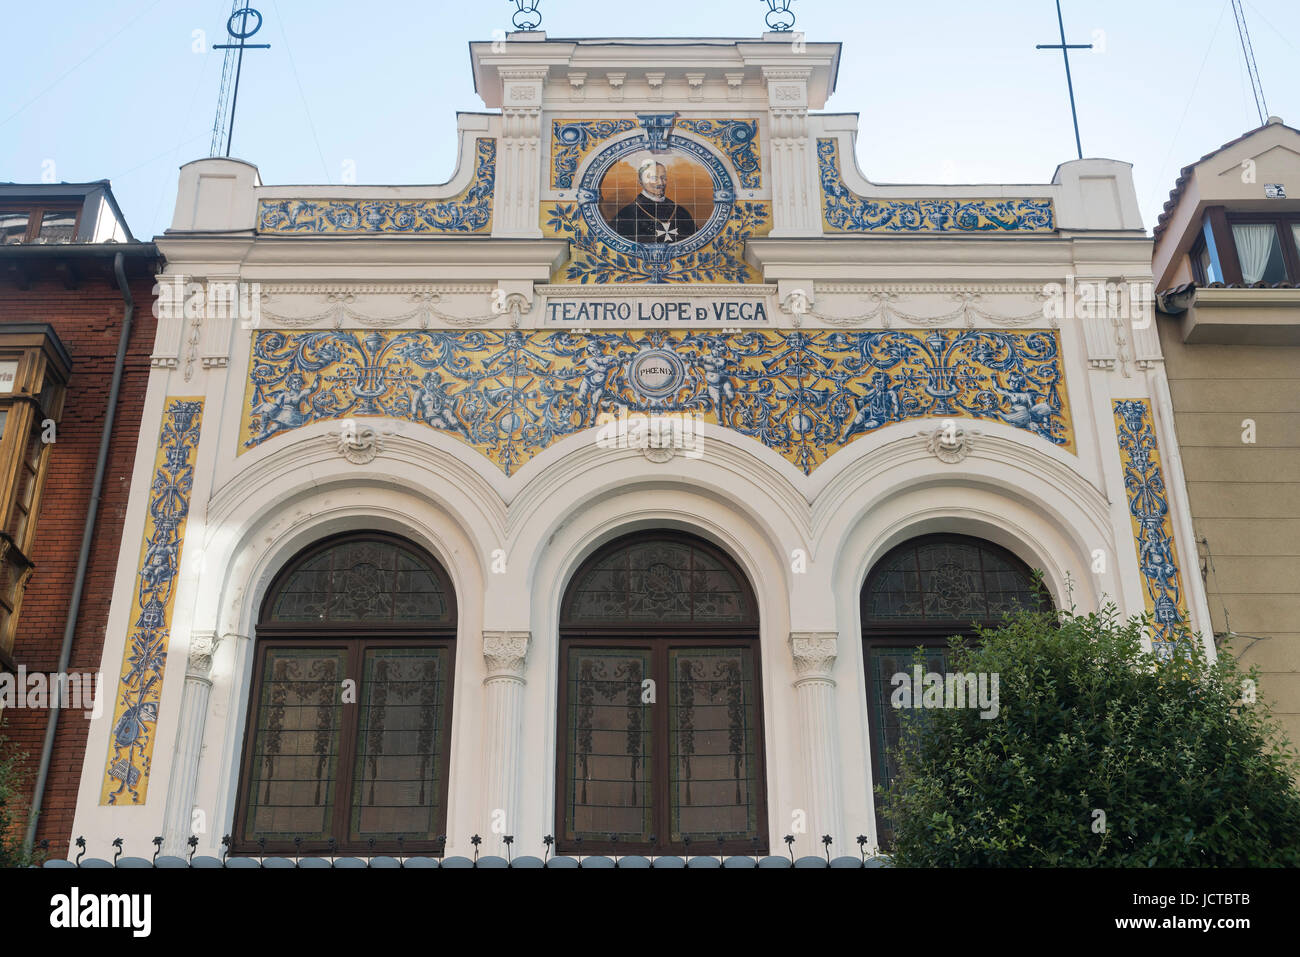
x: 813, y: 653
x: 504, y: 653
x: 203, y: 645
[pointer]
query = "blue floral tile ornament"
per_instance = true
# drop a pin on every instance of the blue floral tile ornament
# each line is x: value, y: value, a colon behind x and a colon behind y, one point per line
x: 843, y: 211
x: 135, y: 713
x: 470, y: 211
x: 738, y: 139
x: 513, y: 393
x: 1153, y: 531
x: 571, y: 140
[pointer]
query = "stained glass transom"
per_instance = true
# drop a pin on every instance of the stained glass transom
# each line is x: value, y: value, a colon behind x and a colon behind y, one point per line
x: 365, y: 580
x: 947, y: 580
x: 659, y: 581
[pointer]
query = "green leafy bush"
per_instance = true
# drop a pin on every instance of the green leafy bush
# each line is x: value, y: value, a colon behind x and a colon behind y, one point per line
x: 12, y: 807
x: 1184, y: 771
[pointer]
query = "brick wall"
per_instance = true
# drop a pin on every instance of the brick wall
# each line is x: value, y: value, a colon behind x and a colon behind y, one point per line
x: 88, y: 320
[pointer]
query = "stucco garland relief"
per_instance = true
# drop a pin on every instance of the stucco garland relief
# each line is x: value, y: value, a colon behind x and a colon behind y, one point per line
x: 419, y: 308
x: 887, y: 312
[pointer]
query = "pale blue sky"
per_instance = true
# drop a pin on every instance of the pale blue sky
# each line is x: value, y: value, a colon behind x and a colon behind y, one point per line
x: 949, y: 91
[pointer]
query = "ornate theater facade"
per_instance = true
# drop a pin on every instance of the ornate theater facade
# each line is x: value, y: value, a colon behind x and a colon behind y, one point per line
x: 597, y: 494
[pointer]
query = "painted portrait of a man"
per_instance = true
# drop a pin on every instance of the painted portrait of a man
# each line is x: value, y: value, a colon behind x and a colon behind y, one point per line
x: 652, y: 217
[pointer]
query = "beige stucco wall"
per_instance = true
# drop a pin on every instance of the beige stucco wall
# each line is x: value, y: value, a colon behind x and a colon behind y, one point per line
x: 1245, y: 498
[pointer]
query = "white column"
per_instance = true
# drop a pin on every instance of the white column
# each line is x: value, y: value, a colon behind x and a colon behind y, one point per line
x: 177, y: 817
x: 814, y: 659
x: 504, y: 654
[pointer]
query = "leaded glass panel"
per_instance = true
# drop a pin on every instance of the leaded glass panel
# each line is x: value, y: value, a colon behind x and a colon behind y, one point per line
x: 886, y: 720
x: 361, y: 580
x: 712, y: 743
x: 295, y: 753
x: 609, y: 744
x: 400, y: 745
x: 946, y: 581
x: 658, y: 581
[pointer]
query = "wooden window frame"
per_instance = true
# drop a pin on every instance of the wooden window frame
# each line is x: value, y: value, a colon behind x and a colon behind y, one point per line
x: 659, y: 639
x: 1281, y: 223
x: 36, y: 213
x: 356, y: 638
x: 42, y: 373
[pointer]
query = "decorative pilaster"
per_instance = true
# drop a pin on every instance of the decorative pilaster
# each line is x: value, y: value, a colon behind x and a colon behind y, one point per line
x: 505, y: 656
x: 170, y: 293
x: 795, y: 206
x: 230, y: 303
x: 814, y: 659
x: 520, y: 169
x: 178, y: 815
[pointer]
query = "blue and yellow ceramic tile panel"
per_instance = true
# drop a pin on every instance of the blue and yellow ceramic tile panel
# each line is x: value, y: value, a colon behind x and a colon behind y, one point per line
x: 139, y: 687
x: 658, y: 199
x: 738, y: 139
x: 843, y: 211
x: 513, y: 393
x: 593, y: 262
x: 572, y: 140
x: 470, y: 211
x: 1153, y: 531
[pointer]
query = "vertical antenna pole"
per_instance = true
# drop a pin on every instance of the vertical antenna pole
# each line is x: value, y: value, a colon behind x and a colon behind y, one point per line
x: 1065, y: 49
x: 234, y: 102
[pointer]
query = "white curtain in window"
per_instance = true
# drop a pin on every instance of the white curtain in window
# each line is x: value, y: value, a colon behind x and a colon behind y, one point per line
x: 1254, y: 246
x: 1295, y: 231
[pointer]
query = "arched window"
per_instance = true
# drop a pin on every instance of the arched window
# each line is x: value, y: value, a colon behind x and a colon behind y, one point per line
x: 660, y: 719
x: 921, y: 593
x: 350, y: 709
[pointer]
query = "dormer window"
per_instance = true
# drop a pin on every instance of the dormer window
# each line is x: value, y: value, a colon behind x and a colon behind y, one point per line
x: 13, y: 226
x: 39, y: 223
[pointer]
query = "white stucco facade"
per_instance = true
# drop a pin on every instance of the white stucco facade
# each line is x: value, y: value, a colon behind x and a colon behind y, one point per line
x: 510, y: 540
